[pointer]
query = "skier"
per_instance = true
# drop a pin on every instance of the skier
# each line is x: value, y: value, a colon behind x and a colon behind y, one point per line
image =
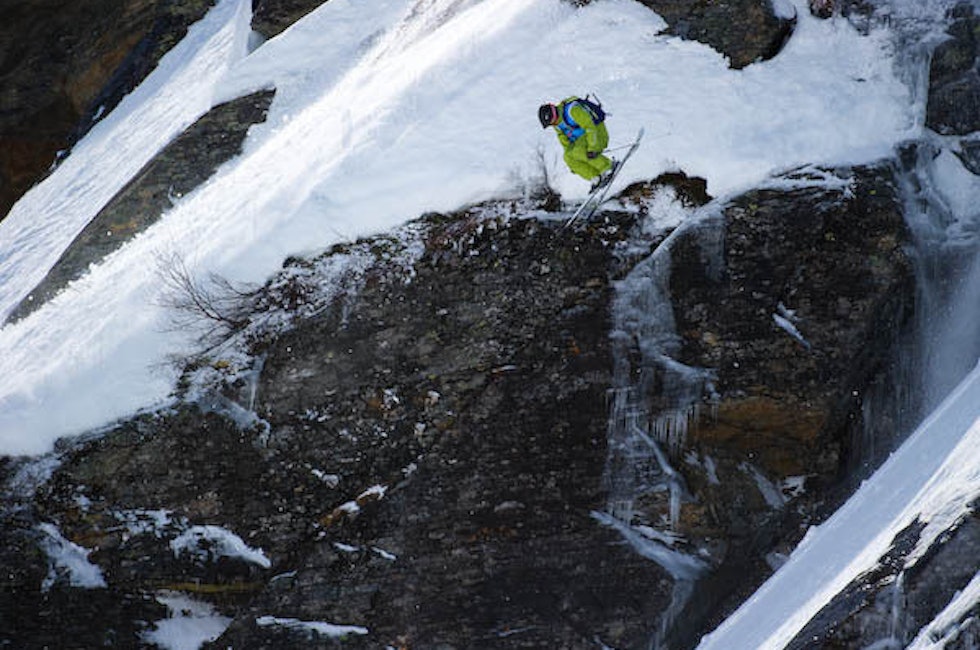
x: 582, y: 132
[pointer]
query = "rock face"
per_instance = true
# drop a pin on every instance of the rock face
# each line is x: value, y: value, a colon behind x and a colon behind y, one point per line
x: 779, y: 299
x: 62, y: 64
x: 428, y: 454
x: 790, y: 326
x: 743, y: 30
x: 953, y: 107
x: 180, y: 167
x: 271, y: 17
x: 431, y: 462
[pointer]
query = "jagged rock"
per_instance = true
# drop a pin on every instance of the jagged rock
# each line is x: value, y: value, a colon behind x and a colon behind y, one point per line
x: 745, y: 31
x: 183, y: 164
x: 953, y: 106
x: 272, y: 17
x: 64, y: 63
x: 432, y: 445
x: 808, y: 278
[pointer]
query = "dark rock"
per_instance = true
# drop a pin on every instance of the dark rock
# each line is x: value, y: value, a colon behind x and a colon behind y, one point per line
x: 691, y: 191
x: 430, y: 460
x: 808, y: 278
x: 64, y: 63
x: 184, y: 164
x: 272, y: 17
x: 468, y: 404
x: 430, y: 447
x: 953, y: 106
x: 745, y: 31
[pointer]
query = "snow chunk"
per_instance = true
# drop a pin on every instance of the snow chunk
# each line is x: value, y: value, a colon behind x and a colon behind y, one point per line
x: 206, y: 542
x: 373, y: 493
x: 139, y: 522
x: 331, y: 480
x: 783, y: 9
x: 385, y: 554
x: 70, y: 560
x: 785, y: 319
x: 311, y: 627
x: 190, y: 625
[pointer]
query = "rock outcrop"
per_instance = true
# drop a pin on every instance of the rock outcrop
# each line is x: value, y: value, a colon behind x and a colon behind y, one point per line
x: 745, y: 31
x: 430, y: 458
x: 272, y: 17
x: 180, y: 167
x: 953, y: 107
x: 63, y: 64
x: 795, y: 323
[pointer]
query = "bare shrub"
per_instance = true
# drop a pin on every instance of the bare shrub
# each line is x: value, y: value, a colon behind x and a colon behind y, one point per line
x: 213, y: 306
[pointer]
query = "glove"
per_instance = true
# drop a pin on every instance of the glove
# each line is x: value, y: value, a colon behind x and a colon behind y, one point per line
x: 591, y: 154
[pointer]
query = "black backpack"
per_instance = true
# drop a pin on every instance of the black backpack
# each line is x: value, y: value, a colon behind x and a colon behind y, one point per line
x: 593, y: 106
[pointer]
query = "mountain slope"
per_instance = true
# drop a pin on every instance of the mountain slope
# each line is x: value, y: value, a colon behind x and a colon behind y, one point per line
x: 373, y: 109
x: 420, y: 413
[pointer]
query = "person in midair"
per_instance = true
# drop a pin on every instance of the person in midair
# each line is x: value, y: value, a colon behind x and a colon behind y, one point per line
x: 582, y: 132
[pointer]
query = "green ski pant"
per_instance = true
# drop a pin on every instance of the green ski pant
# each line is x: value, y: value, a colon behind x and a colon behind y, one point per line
x: 577, y: 158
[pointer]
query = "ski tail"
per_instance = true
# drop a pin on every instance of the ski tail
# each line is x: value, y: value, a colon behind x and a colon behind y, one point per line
x: 598, y: 195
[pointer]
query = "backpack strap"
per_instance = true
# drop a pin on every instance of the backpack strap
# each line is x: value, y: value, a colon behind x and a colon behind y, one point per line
x: 568, y: 125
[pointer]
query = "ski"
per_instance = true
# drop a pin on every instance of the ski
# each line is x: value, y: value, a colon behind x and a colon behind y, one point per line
x: 598, y: 195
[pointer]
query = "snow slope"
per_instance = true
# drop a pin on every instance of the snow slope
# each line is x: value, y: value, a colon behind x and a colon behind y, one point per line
x: 383, y: 111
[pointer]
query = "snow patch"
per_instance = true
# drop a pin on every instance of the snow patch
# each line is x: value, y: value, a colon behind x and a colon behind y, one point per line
x: 68, y: 560
x: 190, y: 625
x: 209, y: 542
x: 316, y: 628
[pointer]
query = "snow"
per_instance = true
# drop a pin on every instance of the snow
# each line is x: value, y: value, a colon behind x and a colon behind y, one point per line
x: 388, y: 109
x: 208, y: 542
x: 384, y: 111
x: 69, y: 560
x: 190, y: 625
x: 318, y: 628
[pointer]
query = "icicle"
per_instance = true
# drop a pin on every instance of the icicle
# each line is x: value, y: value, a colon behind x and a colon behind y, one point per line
x: 896, y: 627
x: 654, y: 402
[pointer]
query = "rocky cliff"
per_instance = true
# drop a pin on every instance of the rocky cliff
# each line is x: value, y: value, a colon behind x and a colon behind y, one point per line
x: 428, y: 445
